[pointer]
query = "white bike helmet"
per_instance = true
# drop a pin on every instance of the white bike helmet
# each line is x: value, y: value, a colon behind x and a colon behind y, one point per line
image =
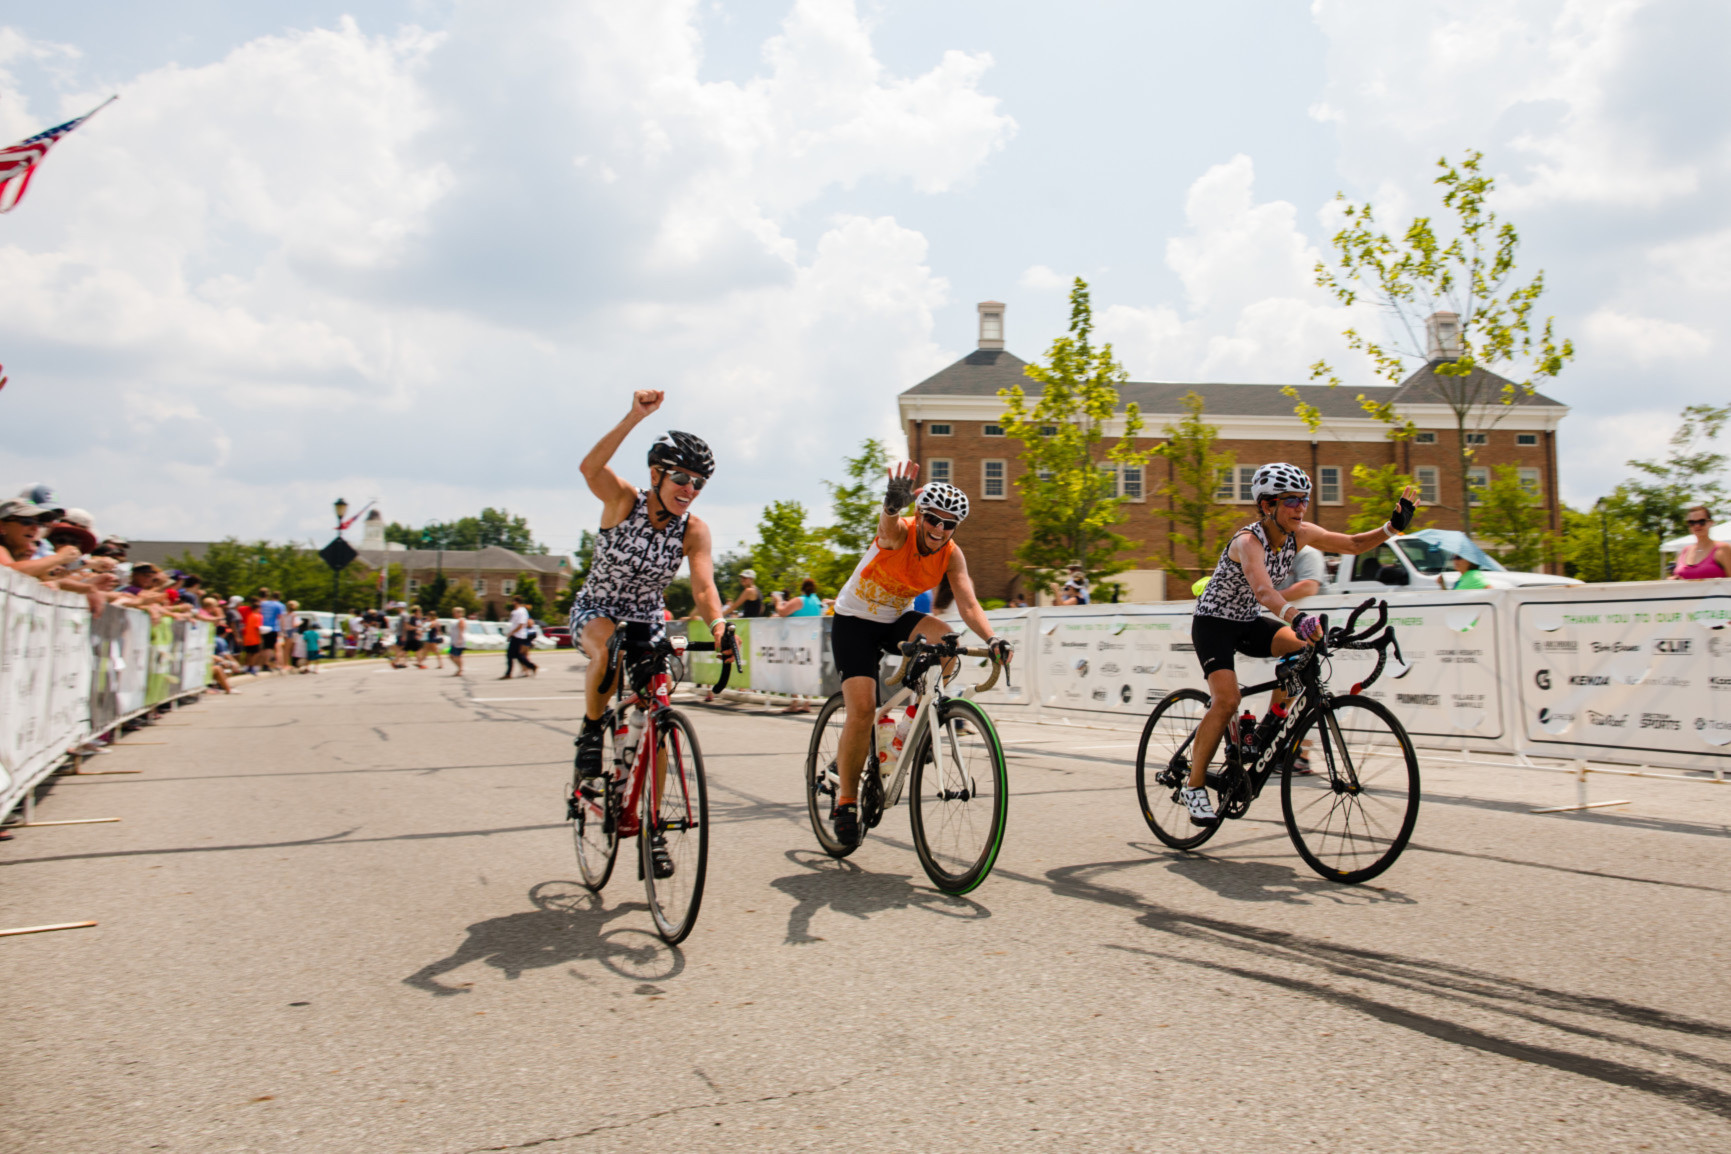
x: 1273, y: 480
x: 943, y: 497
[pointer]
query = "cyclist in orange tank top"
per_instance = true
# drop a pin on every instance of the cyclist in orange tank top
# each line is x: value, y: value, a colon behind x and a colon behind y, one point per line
x: 908, y: 556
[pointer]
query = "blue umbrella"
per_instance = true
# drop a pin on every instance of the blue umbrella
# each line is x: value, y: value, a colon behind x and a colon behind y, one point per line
x: 1454, y: 543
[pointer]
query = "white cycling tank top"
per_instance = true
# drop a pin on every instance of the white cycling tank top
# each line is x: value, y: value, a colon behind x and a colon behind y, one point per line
x: 632, y: 565
x: 1228, y: 593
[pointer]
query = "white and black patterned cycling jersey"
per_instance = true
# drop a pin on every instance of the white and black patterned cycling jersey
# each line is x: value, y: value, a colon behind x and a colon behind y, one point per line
x: 632, y: 565
x: 1228, y: 592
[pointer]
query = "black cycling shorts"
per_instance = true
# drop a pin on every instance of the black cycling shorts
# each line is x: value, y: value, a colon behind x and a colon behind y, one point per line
x: 860, y: 643
x: 1216, y: 639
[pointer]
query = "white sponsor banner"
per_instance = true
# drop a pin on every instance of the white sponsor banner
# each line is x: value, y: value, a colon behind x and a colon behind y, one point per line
x: 1013, y: 687
x: 787, y: 655
x: 1648, y: 673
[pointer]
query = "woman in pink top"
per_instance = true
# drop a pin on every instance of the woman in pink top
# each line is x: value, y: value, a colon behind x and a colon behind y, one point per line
x: 1705, y: 557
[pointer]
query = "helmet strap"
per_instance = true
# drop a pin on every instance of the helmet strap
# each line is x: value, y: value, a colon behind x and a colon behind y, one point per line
x: 655, y: 498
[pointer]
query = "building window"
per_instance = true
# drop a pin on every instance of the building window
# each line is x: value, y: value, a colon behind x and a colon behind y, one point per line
x: 414, y: 584
x: 1130, y: 482
x: 1478, y: 438
x: 1328, y: 485
x: 938, y: 469
x: 480, y: 586
x: 940, y: 430
x: 1048, y: 430
x: 1428, y: 486
x: 1424, y: 439
x: 1246, y: 474
x: 508, y: 586
x: 1225, y: 490
x: 992, y: 430
x: 1235, y: 484
x: 1530, y: 481
x: 1478, y: 477
x: 992, y: 480
x: 1527, y: 439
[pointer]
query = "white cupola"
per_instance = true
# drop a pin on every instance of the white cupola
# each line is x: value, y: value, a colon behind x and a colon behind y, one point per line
x: 1442, y: 336
x: 991, y: 324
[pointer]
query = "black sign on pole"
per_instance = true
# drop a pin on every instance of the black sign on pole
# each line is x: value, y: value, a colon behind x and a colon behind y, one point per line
x: 338, y: 554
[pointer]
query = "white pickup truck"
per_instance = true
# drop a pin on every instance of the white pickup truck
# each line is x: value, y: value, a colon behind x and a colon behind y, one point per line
x: 1416, y: 560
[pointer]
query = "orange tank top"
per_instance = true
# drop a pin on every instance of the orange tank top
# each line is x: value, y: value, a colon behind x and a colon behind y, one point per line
x: 886, y: 581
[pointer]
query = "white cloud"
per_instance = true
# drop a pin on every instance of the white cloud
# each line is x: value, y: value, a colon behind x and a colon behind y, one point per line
x: 428, y: 266
x: 1039, y: 278
x: 1619, y: 336
x: 1253, y: 313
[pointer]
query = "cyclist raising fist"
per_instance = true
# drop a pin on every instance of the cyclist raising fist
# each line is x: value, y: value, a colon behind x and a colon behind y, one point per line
x: 1228, y: 619
x: 645, y: 535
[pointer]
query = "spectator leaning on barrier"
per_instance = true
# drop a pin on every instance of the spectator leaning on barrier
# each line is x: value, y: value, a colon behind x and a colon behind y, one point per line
x: 22, y: 524
x: 1704, y: 557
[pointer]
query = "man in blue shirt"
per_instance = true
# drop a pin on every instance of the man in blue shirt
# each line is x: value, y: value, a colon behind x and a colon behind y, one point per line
x: 271, y: 612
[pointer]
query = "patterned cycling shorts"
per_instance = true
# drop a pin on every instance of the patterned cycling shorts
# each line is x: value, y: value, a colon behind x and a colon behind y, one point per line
x: 582, y: 615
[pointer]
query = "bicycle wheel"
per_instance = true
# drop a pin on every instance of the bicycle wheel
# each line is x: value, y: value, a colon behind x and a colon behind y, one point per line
x: 1163, y: 766
x: 960, y: 790
x: 1351, y: 818
x: 593, y: 814
x: 676, y: 810
x: 821, y: 777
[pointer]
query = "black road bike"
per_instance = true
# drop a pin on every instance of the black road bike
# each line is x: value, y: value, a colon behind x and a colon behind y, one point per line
x: 1351, y: 815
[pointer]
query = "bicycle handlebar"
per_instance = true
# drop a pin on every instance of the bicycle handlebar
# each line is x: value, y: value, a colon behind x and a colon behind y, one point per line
x: 946, y: 648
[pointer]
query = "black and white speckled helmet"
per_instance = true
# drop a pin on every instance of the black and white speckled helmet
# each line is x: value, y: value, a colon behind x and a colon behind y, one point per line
x: 682, y: 451
x: 943, y: 497
x: 1273, y: 480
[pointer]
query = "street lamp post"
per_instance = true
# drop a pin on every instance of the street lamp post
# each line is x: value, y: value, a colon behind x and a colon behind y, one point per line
x: 342, y: 507
x: 1604, y: 537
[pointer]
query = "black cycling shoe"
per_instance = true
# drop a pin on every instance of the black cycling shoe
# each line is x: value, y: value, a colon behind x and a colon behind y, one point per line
x: 589, y: 752
x: 845, y: 819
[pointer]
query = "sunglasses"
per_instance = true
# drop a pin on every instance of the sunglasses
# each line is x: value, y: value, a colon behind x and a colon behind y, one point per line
x: 680, y: 477
x: 1698, y: 521
x: 940, y: 523
x: 1295, y: 502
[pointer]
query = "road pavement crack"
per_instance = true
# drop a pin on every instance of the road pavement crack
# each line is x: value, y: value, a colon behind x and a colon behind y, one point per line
x: 639, y: 1119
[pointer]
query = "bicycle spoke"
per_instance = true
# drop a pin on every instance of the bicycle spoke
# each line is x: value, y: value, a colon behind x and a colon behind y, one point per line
x: 1163, y: 764
x: 959, y: 798
x: 673, y: 846
x: 1352, y: 820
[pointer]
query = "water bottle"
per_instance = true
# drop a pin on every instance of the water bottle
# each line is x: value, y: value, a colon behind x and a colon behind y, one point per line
x: 1270, y: 722
x: 1247, y: 735
x: 902, y: 727
x: 886, y: 737
x: 631, y: 733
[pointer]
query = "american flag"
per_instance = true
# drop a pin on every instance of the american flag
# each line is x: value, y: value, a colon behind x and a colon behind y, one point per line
x: 18, y: 163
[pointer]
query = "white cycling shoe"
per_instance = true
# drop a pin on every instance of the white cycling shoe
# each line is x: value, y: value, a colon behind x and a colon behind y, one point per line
x: 1201, y: 811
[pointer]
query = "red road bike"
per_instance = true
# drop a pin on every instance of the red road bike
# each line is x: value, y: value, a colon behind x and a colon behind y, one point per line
x: 666, y: 810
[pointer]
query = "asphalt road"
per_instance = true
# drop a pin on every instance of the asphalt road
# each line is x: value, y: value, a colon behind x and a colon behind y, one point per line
x: 340, y: 915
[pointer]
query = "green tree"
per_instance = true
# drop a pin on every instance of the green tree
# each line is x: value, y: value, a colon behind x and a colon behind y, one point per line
x: 1689, y: 474
x: 1513, y: 523
x: 433, y: 592
x: 492, y: 527
x: 854, y: 507
x: 459, y: 595
x: 1412, y: 277
x: 528, y: 587
x: 1607, y: 543
x: 786, y: 550
x: 678, y: 597
x: 1381, y: 488
x: 231, y: 567
x: 1199, y: 524
x: 1069, y: 494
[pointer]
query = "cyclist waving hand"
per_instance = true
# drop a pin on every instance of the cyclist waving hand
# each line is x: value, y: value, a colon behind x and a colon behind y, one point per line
x: 1228, y: 613
x: 872, y: 615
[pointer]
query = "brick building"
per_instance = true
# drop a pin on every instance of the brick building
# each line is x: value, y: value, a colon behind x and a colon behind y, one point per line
x: 952, y: 422
x: 492, y: 572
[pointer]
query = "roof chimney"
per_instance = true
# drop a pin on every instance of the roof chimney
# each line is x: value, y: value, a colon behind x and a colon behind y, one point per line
x: 991, y: 324
x: 1442, y: 336
x: 373, y: 531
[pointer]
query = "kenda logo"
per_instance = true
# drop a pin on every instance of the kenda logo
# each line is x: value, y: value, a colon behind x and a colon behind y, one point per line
x: 1589, y: 679
x: 1719, y: 684
x: 1615, y: 647
x: 1612, y: 720
x: 1542, y: 679
x: 1660, y: 721
x: 1712, y: 723
x: 1675, y: 646
x: 1419, y: 698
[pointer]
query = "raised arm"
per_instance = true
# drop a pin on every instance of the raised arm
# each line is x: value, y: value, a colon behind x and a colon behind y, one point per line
x: 892, y: 531
x: 616, y: 493
x: 1310, y: 533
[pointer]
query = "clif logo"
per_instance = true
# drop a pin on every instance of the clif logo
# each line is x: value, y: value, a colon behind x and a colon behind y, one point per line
x: 1675, y: 646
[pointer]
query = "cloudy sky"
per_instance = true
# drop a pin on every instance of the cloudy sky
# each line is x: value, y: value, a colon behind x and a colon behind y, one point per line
x: 422, y: 251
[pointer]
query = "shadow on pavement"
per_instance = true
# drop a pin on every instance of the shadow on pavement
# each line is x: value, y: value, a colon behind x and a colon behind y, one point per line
x: 844, y: 887
x: 569, y: 924
x: 1264, y: 881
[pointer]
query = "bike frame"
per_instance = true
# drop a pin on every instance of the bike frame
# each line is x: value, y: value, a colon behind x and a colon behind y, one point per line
x: 929, y: 697
x: 637, y: 778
